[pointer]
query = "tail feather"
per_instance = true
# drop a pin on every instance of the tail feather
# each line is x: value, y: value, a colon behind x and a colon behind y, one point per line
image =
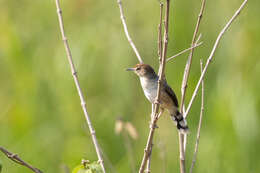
x: 180, y: 122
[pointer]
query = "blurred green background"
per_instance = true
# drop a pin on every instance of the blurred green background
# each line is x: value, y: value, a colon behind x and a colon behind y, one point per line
x: 41, y: 117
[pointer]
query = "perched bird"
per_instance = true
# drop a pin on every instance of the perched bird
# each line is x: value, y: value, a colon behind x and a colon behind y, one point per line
x: 168, y: 100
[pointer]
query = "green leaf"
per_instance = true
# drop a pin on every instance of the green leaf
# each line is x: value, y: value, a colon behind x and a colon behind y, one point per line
x: 93, y: 167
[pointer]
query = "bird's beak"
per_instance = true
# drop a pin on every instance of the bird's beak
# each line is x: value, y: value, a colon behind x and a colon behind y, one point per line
x: 130, y: 69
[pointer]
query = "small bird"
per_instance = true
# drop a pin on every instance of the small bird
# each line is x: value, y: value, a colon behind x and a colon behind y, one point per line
x: 168, y: 100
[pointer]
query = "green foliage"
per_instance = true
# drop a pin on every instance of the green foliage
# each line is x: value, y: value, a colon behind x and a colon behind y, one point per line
x: 93, y: 167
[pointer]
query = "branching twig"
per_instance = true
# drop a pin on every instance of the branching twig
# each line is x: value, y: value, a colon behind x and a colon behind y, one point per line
x: 200, y: 122
x: 212, y: 54
x: 160, y: 81
x: 18, y: 160
x: 189, y: 61
x: 184, y: 51
x: 126, y: 31
x: 75, y: 77
x: 183, y: 137
x: 210, y: 58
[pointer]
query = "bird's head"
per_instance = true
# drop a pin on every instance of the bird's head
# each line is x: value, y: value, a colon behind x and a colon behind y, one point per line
x: 143, y: 70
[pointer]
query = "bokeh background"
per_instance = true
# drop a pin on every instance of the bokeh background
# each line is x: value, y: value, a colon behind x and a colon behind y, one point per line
x: 40, y: 113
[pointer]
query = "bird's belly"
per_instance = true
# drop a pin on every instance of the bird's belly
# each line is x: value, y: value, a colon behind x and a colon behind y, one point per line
x: 150, y: 95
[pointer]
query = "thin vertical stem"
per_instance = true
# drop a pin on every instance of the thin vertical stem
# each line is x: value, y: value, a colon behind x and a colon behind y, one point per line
x: 200, y: 122
x: 160, y: 34
x: 182, y: 153
x: 189, y: 61
x: 182, y: 137
x: 75, y: 77
x: 160, y: 81
x: 148, y: 166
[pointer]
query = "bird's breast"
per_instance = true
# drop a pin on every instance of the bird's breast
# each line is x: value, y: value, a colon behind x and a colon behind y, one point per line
x: 150, y: 88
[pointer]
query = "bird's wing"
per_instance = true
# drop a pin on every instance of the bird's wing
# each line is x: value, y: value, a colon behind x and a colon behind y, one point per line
x: 170, y: 92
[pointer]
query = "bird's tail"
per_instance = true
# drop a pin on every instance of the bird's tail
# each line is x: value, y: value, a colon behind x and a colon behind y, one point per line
x: 180, y: 122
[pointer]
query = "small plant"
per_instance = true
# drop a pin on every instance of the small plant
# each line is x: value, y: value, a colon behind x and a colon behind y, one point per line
x: 87, y: 167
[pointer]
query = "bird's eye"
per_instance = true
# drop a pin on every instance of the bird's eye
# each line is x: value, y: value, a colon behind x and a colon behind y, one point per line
x: 138, y: 68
